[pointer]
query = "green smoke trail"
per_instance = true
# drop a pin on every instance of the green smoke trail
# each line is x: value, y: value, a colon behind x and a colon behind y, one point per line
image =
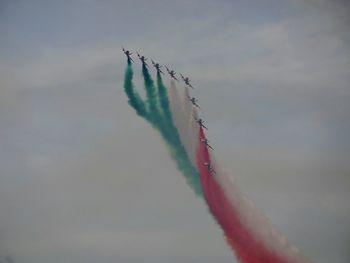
x: 151, y: 92
x: 183, y: 164
x: 178, y: 153
x: 163, y: 97
x: 135, y: 100
x: 171, y: 135
x: 156, y: 111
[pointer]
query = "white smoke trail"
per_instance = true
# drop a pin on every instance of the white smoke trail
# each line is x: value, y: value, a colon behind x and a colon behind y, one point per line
x: 191, y: 115
x: 193, y: 131
x: 177, y: 110
x: 253, y: 218
x: 183, y: 114
x: 250, y: 216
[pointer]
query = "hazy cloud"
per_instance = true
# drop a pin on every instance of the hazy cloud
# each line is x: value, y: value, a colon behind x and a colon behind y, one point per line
x: 84, y: 179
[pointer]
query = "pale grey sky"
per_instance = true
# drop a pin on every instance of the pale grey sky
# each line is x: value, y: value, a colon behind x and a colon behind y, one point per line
x: 84, y: 179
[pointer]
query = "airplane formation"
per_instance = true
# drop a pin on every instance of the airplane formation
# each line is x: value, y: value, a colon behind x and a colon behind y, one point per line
x: 186, y: 80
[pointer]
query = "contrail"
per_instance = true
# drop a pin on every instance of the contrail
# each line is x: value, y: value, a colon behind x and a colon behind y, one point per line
x: 135, y: 100
x: 151, y: 92
x: 191, y: 116
x: 232, y: 215
x: 268, y: 244
x: 160, y: 119
x: 184, y: 115
x: 163, y: 99
x: 247, y: 231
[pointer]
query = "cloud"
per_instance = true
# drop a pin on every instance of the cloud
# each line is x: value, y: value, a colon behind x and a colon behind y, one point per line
x: 274, y: 94
x: 336, y: 13
x: 60, y: 66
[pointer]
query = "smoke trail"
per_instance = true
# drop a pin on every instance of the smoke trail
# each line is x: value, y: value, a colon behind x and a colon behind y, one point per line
x: 163, y: 99
x: 184, y: 116
x: 151, y: 93
x: 191, y: 116
x: 175, y: 145
x: 250, y: 217
x: 246, y: 248
x: 179, y: 115
x: 254, y: 220
x: 158, y: 106
x: 135, y: 100
x: 247, y: 231
x: 160, y: 118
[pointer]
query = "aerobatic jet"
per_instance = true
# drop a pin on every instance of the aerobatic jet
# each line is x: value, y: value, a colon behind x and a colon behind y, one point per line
x: 201, y: 123
x: 206, y: 142
x: 171, y: 73
x: 128, y: 54
x: 143, y: 59
x: 187, y: 81
x: 194, y: 102
x: 210, y: 168
x: 157, y: 66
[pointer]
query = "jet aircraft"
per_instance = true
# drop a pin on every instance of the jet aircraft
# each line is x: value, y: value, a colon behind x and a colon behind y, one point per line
x: 210, y: 168
x: 201, y: 123
x: 206, y: 142
x: 194, y: 102
x: 128, y: 54
x: 171, y: 73
x: 143, y: 59
x: 157, y: 66
x: 187, y: 81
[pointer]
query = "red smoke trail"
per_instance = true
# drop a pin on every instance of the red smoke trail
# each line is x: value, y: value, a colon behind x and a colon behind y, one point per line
x: 246, y: 248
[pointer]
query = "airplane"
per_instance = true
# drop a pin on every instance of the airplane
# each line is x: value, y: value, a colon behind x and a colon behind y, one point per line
x: 201, y: 123
x: 187, y: 81
x: 128, y: 54
x: 143, y: 59
x: 210, y: 168
x: 157, y: 66
x: 171, y: 73
x: 206, y: 142
x: 194, y: 102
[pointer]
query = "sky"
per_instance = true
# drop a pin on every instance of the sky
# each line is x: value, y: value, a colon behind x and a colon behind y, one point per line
x: 83, y: 179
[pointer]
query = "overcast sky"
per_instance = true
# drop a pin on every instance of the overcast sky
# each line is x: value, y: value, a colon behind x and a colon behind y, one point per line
x: 83, y: 179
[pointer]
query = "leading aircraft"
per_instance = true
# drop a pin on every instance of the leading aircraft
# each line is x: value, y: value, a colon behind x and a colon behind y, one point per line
x: 171, y: 73
x: 128, y: 54
x: 143, y: 59
x: 210, y: 168
x: 157, y: 66
x: 187, y: 81
x: 206, y: 142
